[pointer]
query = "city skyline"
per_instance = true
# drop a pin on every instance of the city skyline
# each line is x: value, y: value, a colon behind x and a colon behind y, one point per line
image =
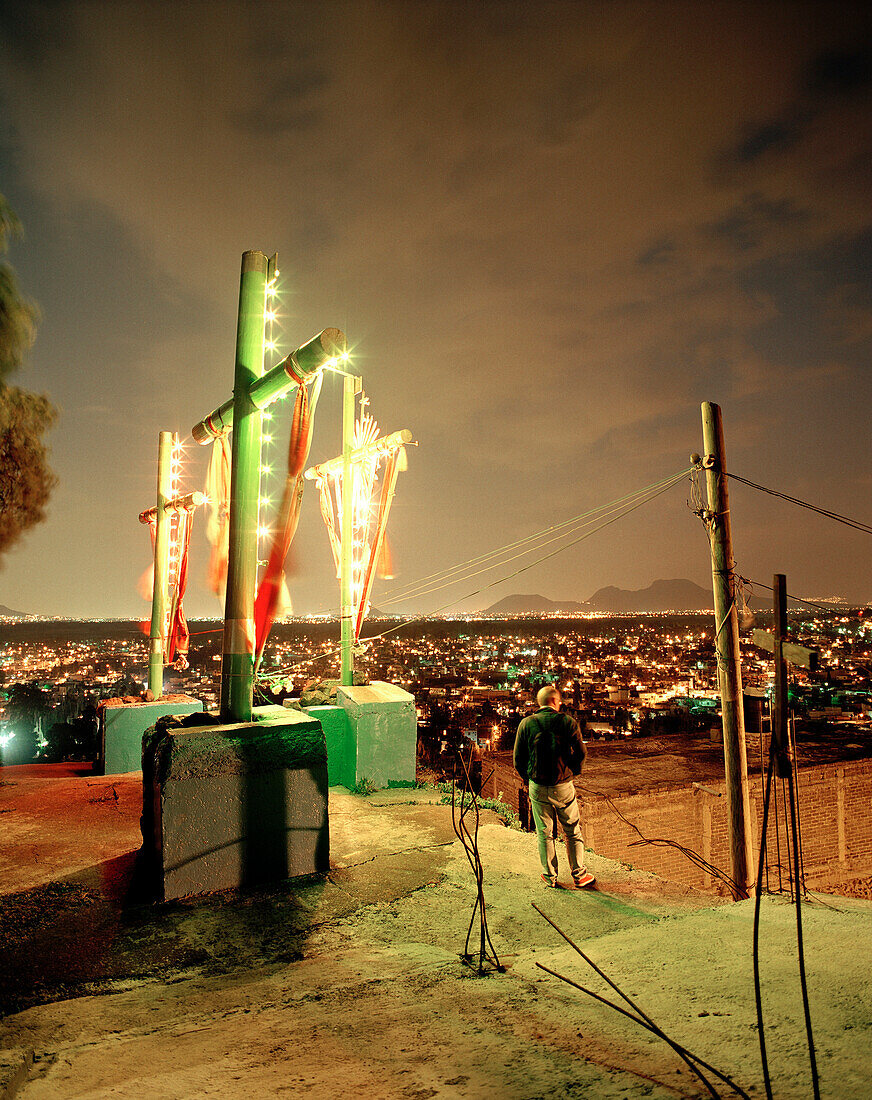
x: 548, y: 231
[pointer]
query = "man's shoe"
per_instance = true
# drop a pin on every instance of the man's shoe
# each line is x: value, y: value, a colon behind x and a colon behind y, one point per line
x: 584, y: 881
x: 548, y: 882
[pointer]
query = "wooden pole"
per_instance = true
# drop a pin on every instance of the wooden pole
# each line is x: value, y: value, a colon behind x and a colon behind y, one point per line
x: 780, y: 704
x: 727, y: 649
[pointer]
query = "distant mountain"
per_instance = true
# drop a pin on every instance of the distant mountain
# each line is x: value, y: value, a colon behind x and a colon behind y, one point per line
x: 8, y: 613
x: 534, y: 605
x: 676, y: 595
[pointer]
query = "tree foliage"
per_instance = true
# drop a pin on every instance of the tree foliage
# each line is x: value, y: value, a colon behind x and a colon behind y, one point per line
x: 26, y: 481
x: 25, y: 478
x: 26, y: 706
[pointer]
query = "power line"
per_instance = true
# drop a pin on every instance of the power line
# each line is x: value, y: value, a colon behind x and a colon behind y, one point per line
x: 538, y: 561
x: 435, y: 582
x: 461, y: 572
x: 796, y: 599
x: 666, y: 485
x: 694, y: 857
x: 858, y: 525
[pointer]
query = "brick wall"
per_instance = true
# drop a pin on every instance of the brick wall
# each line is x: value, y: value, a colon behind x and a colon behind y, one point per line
x: 835, y: 819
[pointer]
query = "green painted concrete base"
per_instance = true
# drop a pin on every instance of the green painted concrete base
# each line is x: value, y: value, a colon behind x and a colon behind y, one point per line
x: 236, y: 804
x: 123, y: 724
x: 340, y: 747
x: 372, y: 735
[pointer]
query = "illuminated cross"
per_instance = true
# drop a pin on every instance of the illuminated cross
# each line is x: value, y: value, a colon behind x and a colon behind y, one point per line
x: 253, y: 391
x: 167, y: 519
x: 351, y: 477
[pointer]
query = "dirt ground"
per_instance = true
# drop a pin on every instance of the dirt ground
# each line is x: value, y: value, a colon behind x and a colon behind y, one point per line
x: 353, y: 983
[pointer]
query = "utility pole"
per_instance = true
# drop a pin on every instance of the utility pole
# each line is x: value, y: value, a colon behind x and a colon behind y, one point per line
x: 727, y: 648
x: 779, y: 709
x: 784, y: 653
x: 157, y: 641
x: 237, y: 666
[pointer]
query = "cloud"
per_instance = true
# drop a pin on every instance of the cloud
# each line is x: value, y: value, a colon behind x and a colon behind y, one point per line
x: 548, y: 229
x: 840, y: 72
x: 775, y: 135
x: 757, y: 217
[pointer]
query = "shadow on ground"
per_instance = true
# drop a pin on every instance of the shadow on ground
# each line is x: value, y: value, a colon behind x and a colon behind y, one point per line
x: 98, y: 929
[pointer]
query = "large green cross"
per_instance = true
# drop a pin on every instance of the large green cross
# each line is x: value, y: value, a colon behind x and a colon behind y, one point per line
x: 253, y: 391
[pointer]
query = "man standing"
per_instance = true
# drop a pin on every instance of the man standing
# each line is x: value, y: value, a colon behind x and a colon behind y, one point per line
x: 549, y: 753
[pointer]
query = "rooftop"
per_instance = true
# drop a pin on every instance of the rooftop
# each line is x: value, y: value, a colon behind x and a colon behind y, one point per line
x: 351, y: 983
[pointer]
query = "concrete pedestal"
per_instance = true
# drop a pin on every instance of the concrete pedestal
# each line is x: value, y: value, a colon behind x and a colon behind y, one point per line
x: 372, y: 735
x: 122, y: 724
x: 340, y: 744
x: 233, y: 805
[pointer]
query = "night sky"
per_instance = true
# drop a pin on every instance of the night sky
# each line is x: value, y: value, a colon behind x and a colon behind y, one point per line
x: 550, y: 230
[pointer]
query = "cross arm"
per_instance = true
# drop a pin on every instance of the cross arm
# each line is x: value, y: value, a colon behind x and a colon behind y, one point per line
x: 321, y: 351
x: 177, y: 504
x: 799, y: 655
x: 390, y: 443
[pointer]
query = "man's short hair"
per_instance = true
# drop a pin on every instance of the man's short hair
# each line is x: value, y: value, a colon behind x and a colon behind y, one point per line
x: 548, y: 695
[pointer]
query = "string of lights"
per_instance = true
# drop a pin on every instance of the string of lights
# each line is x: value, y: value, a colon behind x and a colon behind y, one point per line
x: 174, y: 541
x: 271, y: 352
x: 173, y: 549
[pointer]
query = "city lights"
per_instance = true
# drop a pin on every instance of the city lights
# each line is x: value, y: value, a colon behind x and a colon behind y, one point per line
x: 630, y: 675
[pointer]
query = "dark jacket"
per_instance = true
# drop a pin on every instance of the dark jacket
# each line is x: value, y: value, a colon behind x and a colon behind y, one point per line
x: 548, y: 748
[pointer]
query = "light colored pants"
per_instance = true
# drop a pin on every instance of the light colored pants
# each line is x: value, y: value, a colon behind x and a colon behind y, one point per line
x: 550, y: 805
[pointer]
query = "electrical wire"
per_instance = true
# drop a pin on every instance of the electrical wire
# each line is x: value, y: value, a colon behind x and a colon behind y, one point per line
x: 857, y: 525
x: 755, y: 947
x: 695, y: 858
x: 791, y: 733
x: 638, y: 1014
x: 285, y: 669
x: 799, y: 943
x: 464, y: 570
x: 574, y: 542
x: 669, y: 483
x: 459, y: 812
x: 559, y: 550
x: 683, y: 1053
x: 807, y: 603
x: 799, y: 940
x: 794, y: 860
x: 722, y: 665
